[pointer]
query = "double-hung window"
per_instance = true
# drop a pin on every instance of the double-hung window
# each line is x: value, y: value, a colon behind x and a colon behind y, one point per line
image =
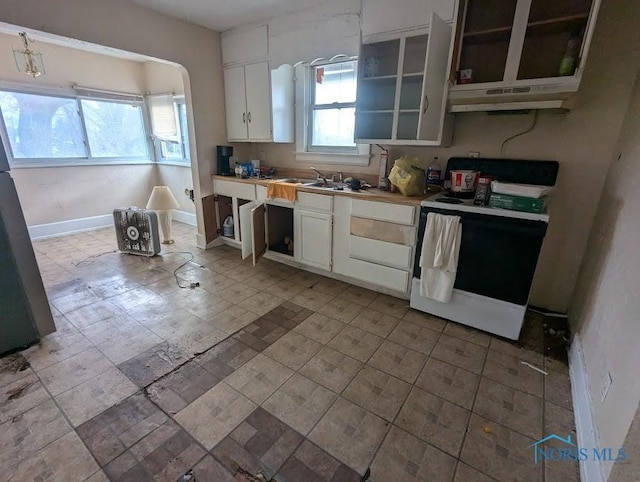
x: 169, y: 128
x: 326, y: 124
x: 44, y: 128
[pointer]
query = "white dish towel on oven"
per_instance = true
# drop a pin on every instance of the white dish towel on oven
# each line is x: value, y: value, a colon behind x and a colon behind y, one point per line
x: 439, y: 256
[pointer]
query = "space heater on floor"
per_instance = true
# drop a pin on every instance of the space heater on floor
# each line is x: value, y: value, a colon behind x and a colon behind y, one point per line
x: 137, y: 231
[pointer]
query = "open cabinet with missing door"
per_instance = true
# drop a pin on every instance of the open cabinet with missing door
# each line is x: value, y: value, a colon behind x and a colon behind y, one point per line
x: 271, y: 227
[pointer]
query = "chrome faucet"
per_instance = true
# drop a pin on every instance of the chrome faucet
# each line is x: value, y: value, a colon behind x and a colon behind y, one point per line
x: 320, y: 176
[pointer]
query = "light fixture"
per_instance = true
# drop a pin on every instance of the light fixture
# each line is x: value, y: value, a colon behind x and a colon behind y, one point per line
x: 27, y: 60
x: 163, y: 201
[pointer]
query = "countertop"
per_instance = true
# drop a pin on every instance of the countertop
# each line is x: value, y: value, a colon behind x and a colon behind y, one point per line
x: 372, y: 194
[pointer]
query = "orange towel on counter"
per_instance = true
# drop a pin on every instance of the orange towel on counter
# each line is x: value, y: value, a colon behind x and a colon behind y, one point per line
x: 282, y: 190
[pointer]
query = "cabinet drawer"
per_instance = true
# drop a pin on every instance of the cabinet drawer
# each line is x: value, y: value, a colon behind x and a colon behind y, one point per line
x: 394, y: 213
x: 391, y: 278
x: 320, y: 202
x: 383, y: 231
x: 235, y: 189
x: 380, y: 252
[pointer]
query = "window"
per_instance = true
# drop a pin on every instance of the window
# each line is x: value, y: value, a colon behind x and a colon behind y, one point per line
x: 169, y: 126
x: 325, y: 126
x: 47, y: 127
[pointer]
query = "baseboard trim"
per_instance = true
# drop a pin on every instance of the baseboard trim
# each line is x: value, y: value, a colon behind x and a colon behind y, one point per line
x: 590, y: 470
x: 39, y: 231
x: 184, y: 217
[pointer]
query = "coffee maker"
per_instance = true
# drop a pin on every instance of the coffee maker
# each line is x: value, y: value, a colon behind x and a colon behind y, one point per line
x: 224, y: 160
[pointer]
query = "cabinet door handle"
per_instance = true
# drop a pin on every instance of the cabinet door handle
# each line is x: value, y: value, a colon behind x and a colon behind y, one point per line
x: 426, y: 104
x: 244, y: 118
x: 249, y: 117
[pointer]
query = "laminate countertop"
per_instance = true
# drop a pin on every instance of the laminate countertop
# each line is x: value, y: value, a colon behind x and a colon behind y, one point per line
x: 371, y: 194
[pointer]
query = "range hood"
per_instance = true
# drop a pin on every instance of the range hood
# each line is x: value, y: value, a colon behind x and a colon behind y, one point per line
x: 522, y: 95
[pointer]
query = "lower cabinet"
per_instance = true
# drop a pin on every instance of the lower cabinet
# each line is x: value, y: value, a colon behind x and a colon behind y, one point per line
x: 313, y: 238
x: 301, y: 235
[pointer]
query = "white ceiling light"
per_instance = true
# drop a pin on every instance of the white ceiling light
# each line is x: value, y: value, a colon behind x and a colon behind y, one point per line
x: 27, y: 60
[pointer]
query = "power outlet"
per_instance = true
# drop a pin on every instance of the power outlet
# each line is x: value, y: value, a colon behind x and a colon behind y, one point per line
x: 474, y: 154
x: 606, y: 385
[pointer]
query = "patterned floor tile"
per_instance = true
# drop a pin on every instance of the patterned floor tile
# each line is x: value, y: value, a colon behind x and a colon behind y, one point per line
x: 376, y: 322
x: 310, y: 463
x: 210, y: 469
x: 390, y: 305
x: 215, y: 414
x: 262, y: 303
x: 378, y: 392
x: 232, y: 319
x: 512, y: 408
x: 93, y: 313
x: 465, y: 473
x: 499, y: 452
x: 399, y: 361
x: 511, y: 372
x: 350, y: 433
x: 64, y: 459
x: 261, y: 443
x: 311, y: 299
x: 320, y: 328
x: 463, y: 354
x: 181, y: 387
x: 226, y: 357
x: 93, y: 396
x: 358, y: 295
x: 284, y: 289
x: 404, y: 457
x: 454, y: 384
x: 339, y: 309
x: 434, y: 420
x: 73, y: 371
x: 416, y: 337
x: 356, y: 343
x: 293, y: 350
x: 259, y: 378
x: 300, y: 403
x: 425, y: 320
x: 513, y: 349
x: 557, y: 388
x: 330, y: 286
x: 467, y: 333
x: 331, y: 369
x: 21, y: 395
x: 147, y: 367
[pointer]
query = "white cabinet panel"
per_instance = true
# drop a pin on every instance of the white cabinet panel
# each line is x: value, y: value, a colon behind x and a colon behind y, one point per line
x: 390, y: 278
x: 258, y: 94
x: 380, y: 16
x: 245, y: 46
x: 235, y: 102
x: 314, y: 201
x: 381, y: 252
x: 395, y: 213
x: 245, y: 228
x: 235, y: 189
x: 313, y: 238
x: 434, y: 95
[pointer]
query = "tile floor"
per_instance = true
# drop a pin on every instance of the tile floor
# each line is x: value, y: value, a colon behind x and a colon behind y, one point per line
x: 267, y: 369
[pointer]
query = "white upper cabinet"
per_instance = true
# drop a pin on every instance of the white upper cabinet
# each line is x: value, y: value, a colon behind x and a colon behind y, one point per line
x: 402, y: 88
x: 259, y: 102
x: 518, y: 51
x: 383, y: 16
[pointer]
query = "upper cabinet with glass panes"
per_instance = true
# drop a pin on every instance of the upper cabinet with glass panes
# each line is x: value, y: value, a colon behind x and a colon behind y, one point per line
x: 521, y: 47
x: 402, y: 88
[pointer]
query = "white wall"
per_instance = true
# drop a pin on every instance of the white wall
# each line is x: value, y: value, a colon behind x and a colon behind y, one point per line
x: 581, y: 141
x: 123, y: 25
x: 606, y: 308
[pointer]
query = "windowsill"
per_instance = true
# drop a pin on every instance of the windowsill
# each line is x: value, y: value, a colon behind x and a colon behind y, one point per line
x: 77, y: 163
x: 334, y: 158
x: 175, y: 163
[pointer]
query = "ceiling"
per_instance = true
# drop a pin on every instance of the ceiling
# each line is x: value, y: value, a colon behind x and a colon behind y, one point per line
x: 221, y: 15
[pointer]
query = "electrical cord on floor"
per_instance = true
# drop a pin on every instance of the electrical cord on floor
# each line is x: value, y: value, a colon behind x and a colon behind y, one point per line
x: 191, y: 285
x: 93, y: 257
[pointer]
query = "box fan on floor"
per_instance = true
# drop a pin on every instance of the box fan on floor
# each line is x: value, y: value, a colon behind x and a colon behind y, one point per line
x: 137, y: 231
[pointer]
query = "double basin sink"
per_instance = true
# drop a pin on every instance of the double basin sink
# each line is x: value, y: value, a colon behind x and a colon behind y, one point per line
x: 313, y: 183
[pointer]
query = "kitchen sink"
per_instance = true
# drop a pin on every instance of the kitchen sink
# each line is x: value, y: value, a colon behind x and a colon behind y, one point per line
x: 295, y: 180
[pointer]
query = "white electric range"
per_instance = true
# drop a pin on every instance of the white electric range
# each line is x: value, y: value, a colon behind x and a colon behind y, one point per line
x: 498, y: 252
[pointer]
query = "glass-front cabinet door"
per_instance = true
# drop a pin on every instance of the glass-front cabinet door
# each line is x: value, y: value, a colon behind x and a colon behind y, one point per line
x: 515, y: 40
x: 402, y: 87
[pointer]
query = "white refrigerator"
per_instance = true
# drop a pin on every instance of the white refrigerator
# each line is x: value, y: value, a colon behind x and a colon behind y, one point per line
x: 25, y: 315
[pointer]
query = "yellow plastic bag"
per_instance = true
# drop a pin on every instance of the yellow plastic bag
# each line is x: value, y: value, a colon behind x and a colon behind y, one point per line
x: 407, y: 176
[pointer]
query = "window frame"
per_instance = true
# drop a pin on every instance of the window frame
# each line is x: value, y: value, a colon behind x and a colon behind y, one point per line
x: 182, y: 133
x: 88, y: 160
x: 358, y: 155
